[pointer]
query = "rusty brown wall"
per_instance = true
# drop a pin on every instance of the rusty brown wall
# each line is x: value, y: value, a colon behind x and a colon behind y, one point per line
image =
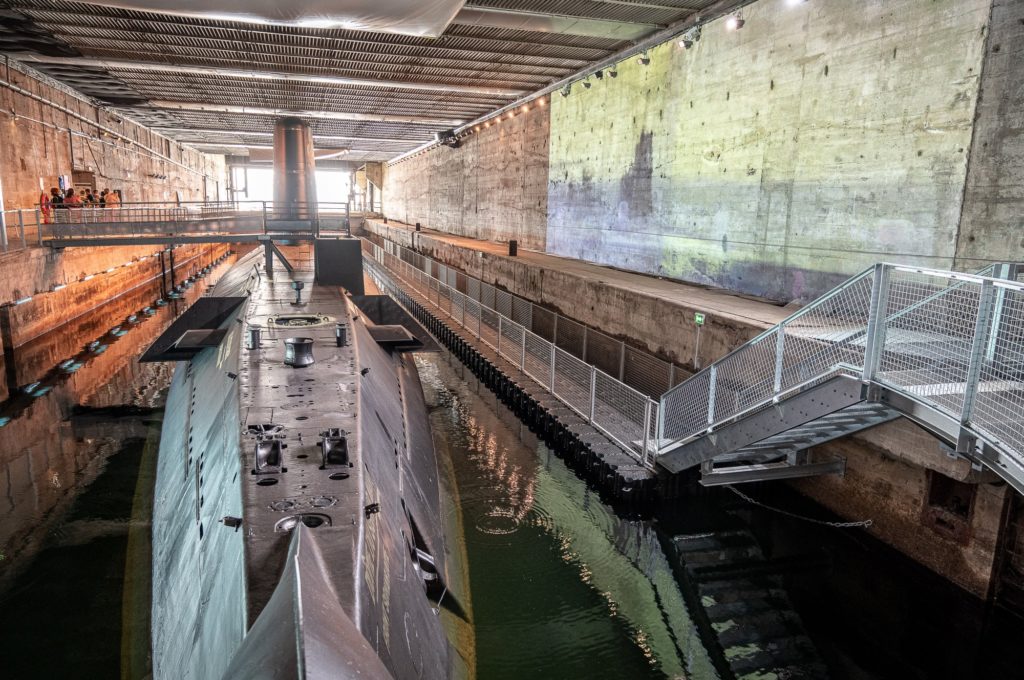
x: 493, y: 187
x: 39, y: 141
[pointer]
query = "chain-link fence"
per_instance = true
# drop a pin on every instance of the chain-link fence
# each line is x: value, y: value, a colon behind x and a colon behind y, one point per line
x: 626, y: 415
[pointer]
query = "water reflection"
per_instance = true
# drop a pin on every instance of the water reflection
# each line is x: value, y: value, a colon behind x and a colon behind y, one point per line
x: 50, y: 446
x: 561, y: 586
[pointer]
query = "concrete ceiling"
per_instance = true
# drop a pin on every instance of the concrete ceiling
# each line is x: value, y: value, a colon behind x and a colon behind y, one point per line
x: 218, y: 84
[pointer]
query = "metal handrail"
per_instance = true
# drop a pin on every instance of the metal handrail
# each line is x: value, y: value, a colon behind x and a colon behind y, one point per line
x: 624, y: 414
x: 36, y: 224
x: 636, y: 368
x: 949, y: 340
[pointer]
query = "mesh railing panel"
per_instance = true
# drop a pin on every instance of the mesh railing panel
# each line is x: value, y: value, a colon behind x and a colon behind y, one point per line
x: 511, y: 341
x: 489, y: 326
x: 543, y: 323
x: 745, y: 379
x: 619, y: 410
x: 605, y: 352
x: 685, y: 407
x: 473, y: 288
x: 569, y: 336
x: 538, y: 359
x: 458, y: 304
x: 503, y: 303
x: 572, y: 382
x: 472, y: 315
x: 522, y: 312
x: 646, y: 373
x: 826, y: 333
x: 928, y: 335
x: 999, y: 402
x: 487, y: 295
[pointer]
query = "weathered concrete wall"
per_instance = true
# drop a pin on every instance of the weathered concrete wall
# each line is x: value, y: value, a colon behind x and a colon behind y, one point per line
x: 48, y: 310
x: 778, y: 158
x: 886, y: 481
x: 992, y: 226
x: 493, y: 187
x: 43, y: 142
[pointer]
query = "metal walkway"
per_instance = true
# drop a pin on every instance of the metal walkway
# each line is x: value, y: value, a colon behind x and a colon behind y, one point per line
x: 137, y: 224
x: 945, y: 349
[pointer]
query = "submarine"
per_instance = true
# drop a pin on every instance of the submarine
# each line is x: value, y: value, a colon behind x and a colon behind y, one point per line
x: 297, y: 527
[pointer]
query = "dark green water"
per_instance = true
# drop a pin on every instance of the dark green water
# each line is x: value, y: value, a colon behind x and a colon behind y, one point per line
x: 560, y: 586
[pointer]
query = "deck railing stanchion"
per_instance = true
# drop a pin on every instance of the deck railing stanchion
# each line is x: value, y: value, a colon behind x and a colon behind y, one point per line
x: 593, y: 392
x: 780, y: 348
x: 647, y: 430
x: 982, y: 328
x: 875, y: 335
x: 21, y: 229
x: 713, y: 384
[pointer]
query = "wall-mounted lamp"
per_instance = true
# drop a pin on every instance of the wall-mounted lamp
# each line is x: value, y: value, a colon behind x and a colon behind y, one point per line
x: 690, y: 37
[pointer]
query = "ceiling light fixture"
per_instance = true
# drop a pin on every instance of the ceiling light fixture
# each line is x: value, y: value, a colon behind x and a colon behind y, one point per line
x: 734, y: 22
x: 599, y: 74
x: 567, y: 90
x: 644, y: 59
x: 613, y: 73
x: 690, y: 37
x: 586, y: 83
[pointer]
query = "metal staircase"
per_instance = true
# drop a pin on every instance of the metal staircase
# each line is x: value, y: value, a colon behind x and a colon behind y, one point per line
x: 945, y: 349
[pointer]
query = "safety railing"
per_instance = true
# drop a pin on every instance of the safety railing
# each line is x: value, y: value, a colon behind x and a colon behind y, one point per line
x: 640, y: 370
x: 953, y: 342
x: 25, y: 227
x: 624, y: 414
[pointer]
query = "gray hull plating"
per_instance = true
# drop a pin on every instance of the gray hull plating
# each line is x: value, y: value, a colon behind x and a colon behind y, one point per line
x: 253, y: 448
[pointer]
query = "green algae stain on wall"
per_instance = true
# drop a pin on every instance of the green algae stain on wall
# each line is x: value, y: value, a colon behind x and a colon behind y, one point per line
x: 777, y: 159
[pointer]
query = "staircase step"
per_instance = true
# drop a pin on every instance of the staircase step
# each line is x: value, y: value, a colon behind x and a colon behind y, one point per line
x: 717, y: 548
x: 756, y: 567
x: 737, y: 590
x: 759, y: 629
x: 724, y: 611
x: 796, y: 651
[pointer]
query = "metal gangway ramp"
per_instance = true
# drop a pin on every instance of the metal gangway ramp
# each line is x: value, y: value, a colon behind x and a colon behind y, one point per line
x: 944, y: 349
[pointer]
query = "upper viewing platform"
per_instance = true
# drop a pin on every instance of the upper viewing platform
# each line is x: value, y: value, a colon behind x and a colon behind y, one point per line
x: 164, y: 223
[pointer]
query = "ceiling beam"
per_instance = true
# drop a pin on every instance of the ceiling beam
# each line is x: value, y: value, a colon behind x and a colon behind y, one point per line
x: 132, y: 65
x: 103, y: 38
x: 277, y: 113
x: 501, y: 46
x: 330, y: 138
x: 492, y: 17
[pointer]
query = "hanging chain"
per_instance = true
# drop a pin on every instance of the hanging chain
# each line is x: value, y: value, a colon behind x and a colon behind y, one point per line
x: 841, y: 525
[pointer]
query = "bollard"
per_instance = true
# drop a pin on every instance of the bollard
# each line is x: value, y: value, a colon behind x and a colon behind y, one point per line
x: 253, y: 339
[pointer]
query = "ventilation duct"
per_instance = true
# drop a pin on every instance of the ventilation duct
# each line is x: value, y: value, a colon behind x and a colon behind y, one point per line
x: 294, y: 169
x: 427, y: 18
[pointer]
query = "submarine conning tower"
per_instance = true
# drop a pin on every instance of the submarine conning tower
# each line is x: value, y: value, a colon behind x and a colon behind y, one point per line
x: 294, y: 169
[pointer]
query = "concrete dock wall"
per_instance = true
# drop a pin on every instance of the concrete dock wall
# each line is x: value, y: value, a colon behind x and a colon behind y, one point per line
x: 493, y: 187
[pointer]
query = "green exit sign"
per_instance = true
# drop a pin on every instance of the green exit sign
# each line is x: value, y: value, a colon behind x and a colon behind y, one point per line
x: 698, y: 318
